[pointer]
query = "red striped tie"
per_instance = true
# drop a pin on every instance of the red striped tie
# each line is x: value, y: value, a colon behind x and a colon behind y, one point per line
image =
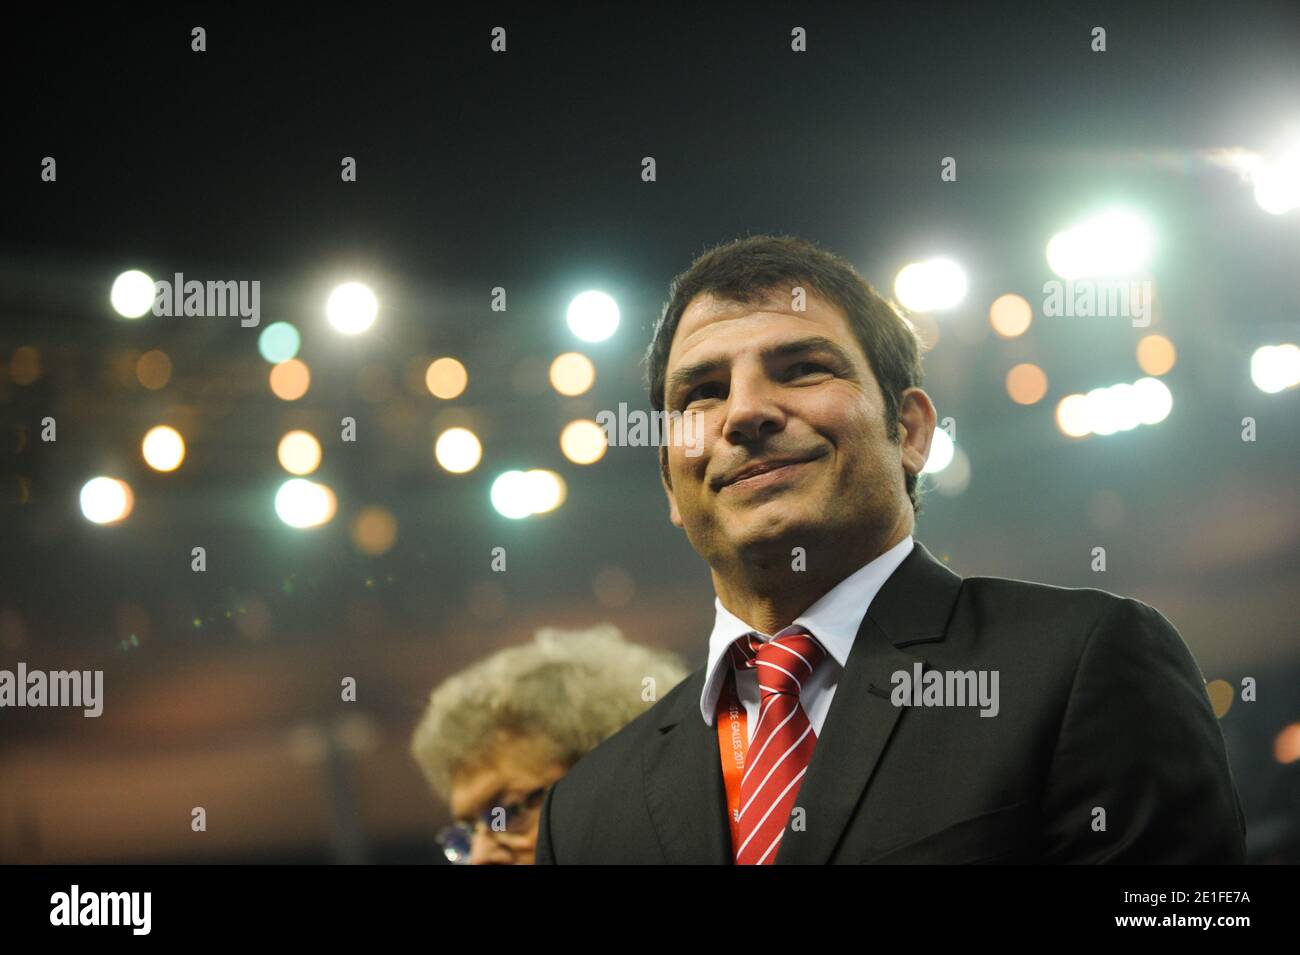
x: 783, y: 739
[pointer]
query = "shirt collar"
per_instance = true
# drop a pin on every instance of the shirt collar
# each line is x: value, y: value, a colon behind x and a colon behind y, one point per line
x: 834, y: 620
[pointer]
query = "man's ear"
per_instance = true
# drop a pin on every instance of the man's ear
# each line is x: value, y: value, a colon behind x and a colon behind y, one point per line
x: 916, y: 421
x: 673, y: 514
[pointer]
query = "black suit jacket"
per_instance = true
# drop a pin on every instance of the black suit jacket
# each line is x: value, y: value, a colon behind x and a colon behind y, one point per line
x: 1101, y: 706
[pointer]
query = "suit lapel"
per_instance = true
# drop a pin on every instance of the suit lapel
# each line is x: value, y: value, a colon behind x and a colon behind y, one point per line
x: 683, y: 783
x: 912, y: 607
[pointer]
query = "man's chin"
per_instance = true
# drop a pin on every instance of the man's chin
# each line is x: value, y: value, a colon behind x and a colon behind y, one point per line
x: 769, y: 528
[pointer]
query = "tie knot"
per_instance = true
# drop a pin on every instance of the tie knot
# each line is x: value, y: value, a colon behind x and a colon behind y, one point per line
x: 783, y: 663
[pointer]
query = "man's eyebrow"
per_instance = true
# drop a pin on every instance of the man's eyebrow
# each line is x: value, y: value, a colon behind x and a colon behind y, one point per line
x: 688, y: 373
x: 811, y: 343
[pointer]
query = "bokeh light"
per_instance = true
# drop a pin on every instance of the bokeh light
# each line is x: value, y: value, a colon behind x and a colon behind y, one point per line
x: 374, y: 531
x: 931, y: 286
x: 132, y: 294
x: 1116, y: 242
x: 1156, y: 354
x: 520, y: 494
x: 163, y: 448
x: 458, y: 450
x: 583, y: 441
x: 1275, y: 368
x: 1286, y: 748
x: 510, y: 495
x: 546, y: 490
x: 1072, y: 417
x: 593, y: 316
x: 572, y: 373
x: 1115, y: 408
x: 941, y: 451
x: 25, y: 365
x: 446, y: 378
x: 302, y: 504
x: 1277, y: 183
x: 154, y: 369
x: 1220, y: 693
x: 106, y: 500
x: 299, y: 452
x: 1111, y: 409
x: 279, y: 342
x: 351, y: 308
x: 1153, y: 400
x: 1026, y: 384
x: 290, y: 379
x: 954, y: 479
x: 1010, y: 315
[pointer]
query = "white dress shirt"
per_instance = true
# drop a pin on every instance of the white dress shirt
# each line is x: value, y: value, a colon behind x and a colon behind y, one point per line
x: 834, y: 620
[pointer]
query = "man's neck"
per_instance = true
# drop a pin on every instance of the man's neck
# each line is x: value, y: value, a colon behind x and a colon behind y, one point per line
x: 770, y: 594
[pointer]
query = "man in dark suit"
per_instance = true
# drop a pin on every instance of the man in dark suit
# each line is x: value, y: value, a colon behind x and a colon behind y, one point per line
x: 862, y: 702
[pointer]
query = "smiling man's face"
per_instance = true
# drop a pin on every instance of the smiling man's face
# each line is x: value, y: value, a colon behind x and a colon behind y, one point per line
x: 790, y: 392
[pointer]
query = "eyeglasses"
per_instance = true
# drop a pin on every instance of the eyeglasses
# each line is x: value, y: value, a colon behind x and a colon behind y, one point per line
x: 457, y: 838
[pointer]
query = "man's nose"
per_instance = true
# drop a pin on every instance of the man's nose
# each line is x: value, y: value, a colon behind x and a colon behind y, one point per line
x: 753, y: 411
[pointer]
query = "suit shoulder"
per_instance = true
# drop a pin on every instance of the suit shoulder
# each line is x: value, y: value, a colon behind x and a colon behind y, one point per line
x: 1070, y: 614
x: 1089, y: 605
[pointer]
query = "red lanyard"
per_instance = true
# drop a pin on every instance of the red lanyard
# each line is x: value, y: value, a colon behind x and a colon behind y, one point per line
x: 733, y: 746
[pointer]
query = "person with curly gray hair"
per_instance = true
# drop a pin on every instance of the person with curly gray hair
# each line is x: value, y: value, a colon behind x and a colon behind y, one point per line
x: 496, y: 736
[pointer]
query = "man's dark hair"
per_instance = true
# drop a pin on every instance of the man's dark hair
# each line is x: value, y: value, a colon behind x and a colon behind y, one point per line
x: 748, y: 270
